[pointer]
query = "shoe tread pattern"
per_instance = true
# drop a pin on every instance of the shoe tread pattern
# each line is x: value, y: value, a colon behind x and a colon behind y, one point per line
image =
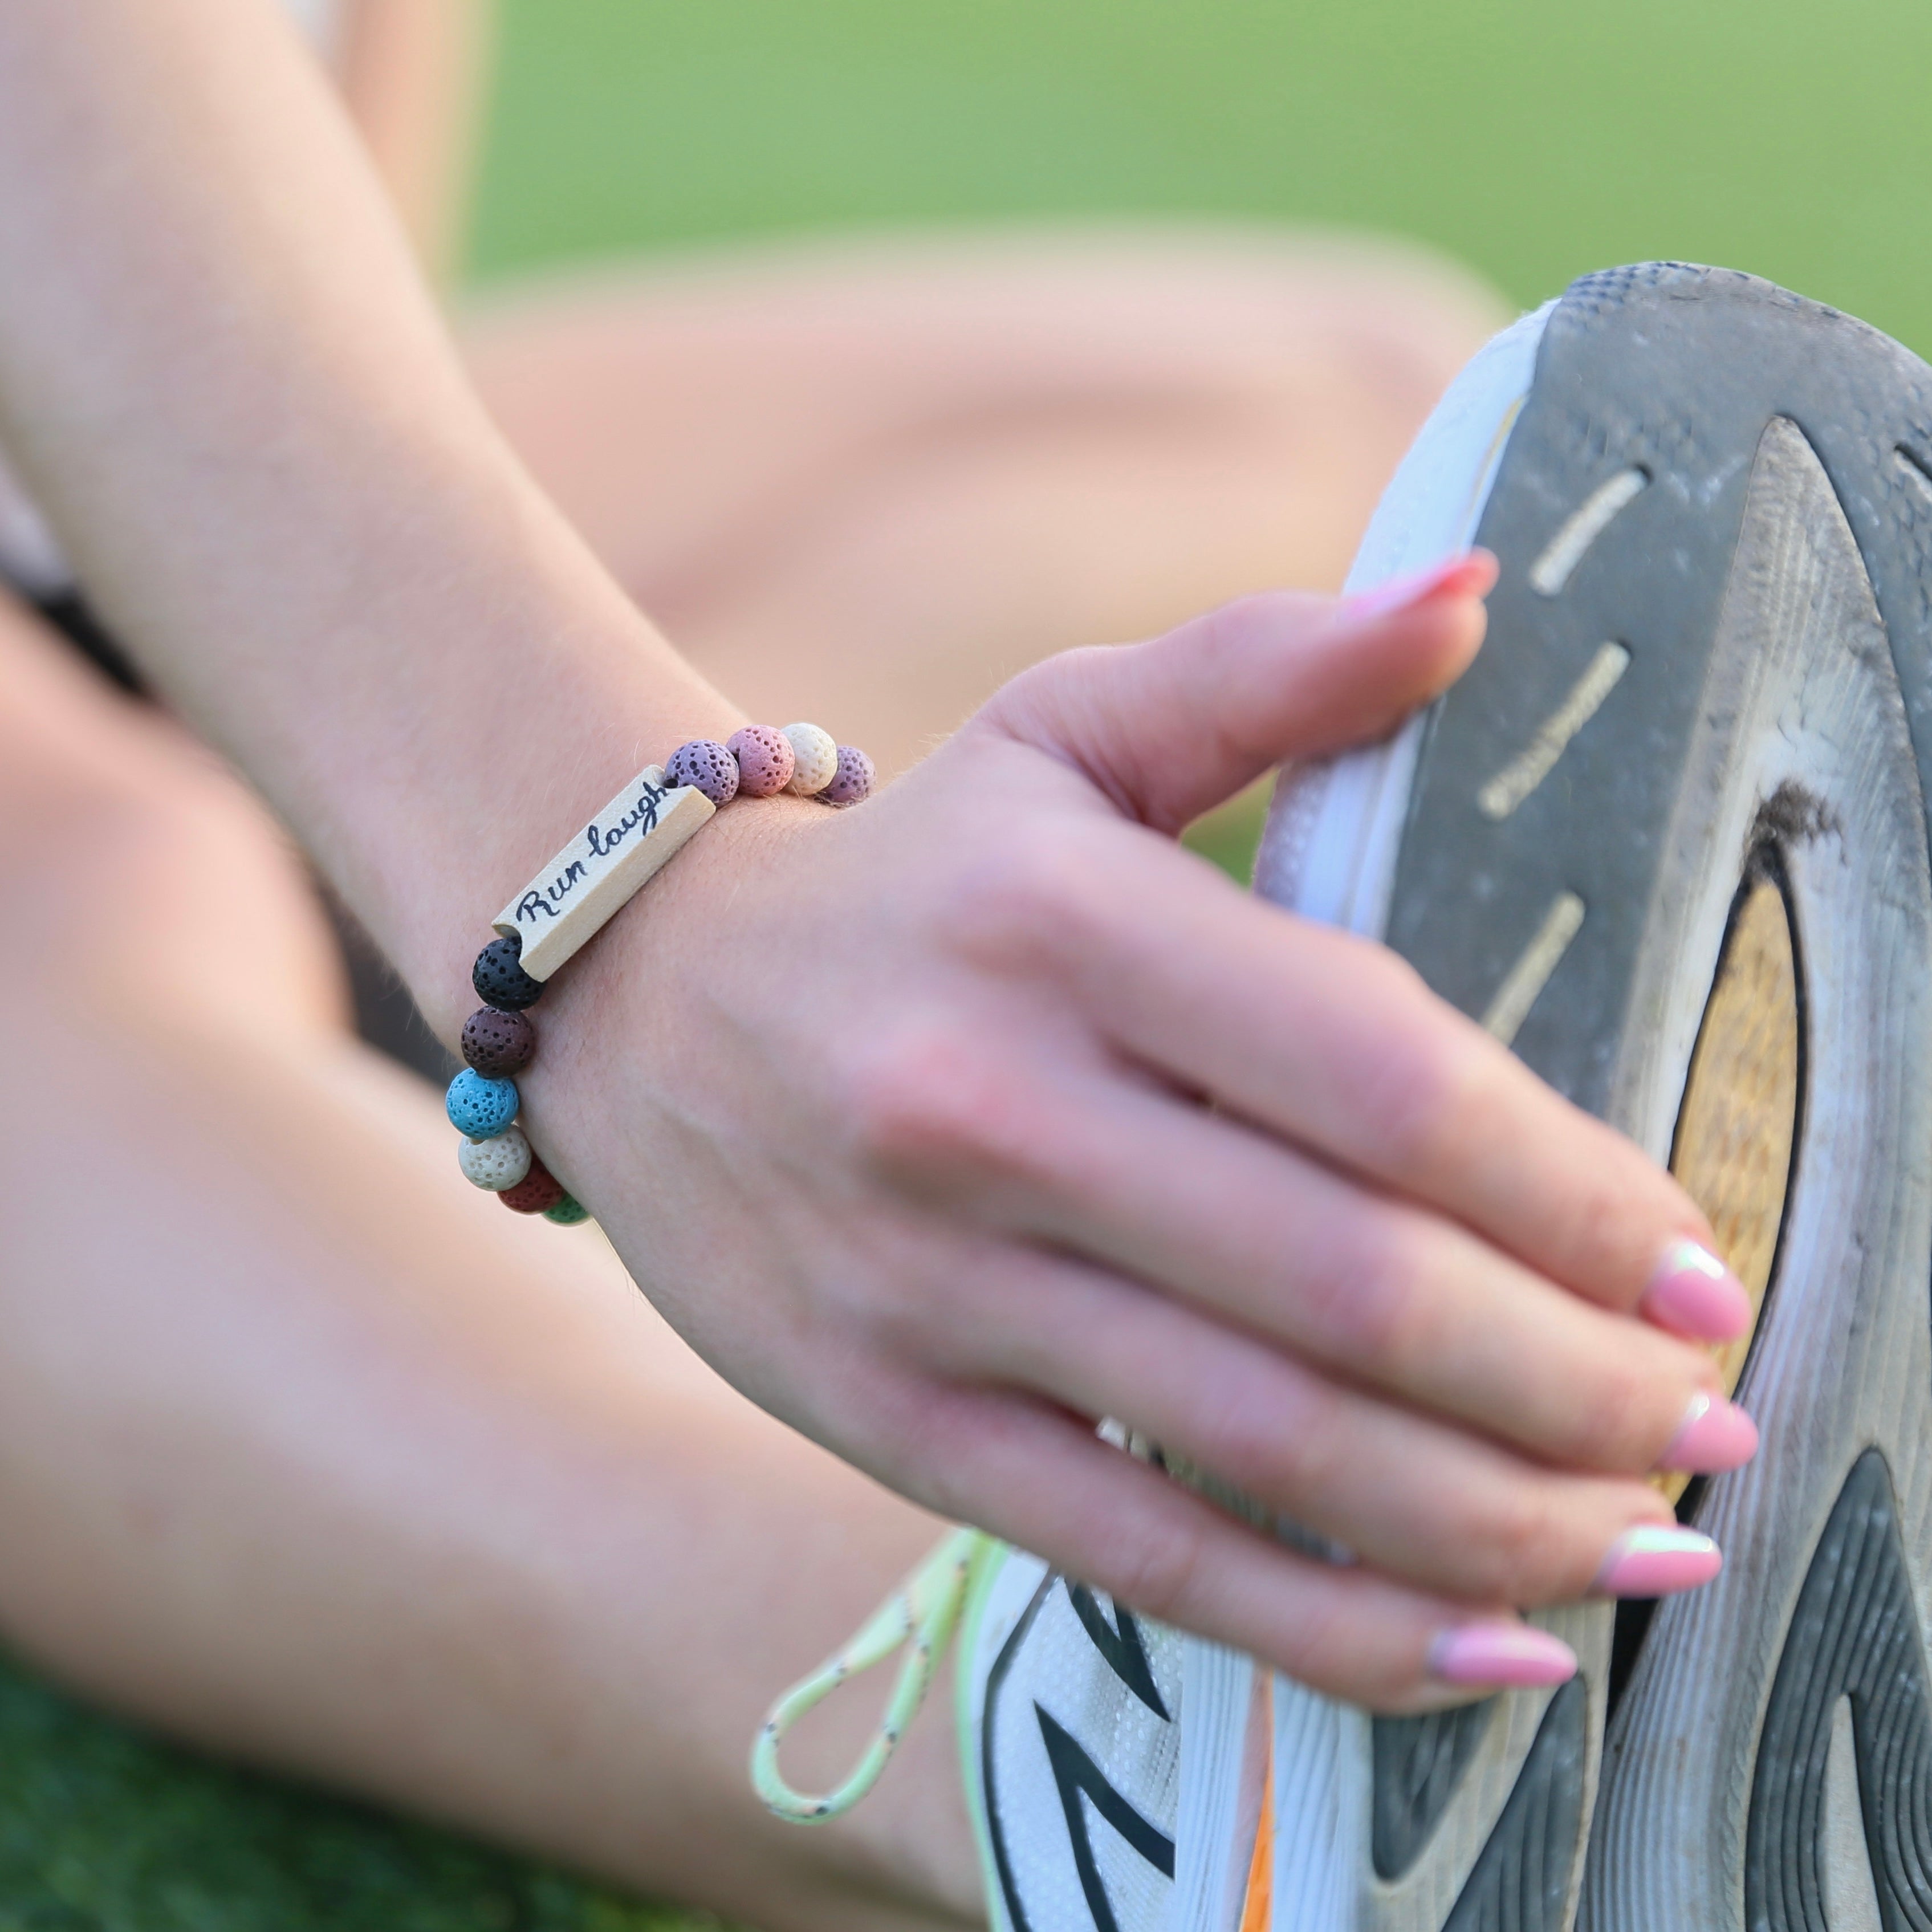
x: 1677, y: 371
x: 1855, y: 1635
x: 1523, y: 1880
x: 1418, y: 1763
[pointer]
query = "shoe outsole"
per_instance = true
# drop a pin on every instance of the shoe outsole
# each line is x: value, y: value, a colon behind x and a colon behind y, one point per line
x: 1714, y: 515
x: 1682, y: 785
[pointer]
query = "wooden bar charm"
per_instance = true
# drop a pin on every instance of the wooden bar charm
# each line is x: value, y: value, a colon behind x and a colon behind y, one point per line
x: 570, y: 900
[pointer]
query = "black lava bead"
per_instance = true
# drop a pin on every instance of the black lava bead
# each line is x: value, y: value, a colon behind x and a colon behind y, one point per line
x: 499, y: 978
x: 496, y: 1043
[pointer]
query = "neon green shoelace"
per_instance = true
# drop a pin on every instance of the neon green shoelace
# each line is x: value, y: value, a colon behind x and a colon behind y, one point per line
x: 921, y: 1615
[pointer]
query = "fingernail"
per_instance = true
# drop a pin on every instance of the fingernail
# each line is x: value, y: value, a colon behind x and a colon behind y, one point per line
x: 1471, y: 574
x: 1511, y: 1656
x: 1657, y: 1559
x: 1693, y: 1294
x: 1714, y: 1436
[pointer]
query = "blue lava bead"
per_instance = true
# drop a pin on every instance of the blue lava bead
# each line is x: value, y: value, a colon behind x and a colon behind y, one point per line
x: 481, y: 1107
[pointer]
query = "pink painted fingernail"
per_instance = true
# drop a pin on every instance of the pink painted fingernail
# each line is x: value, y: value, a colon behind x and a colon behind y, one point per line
x: 1714, y: 1436
x: 1472, y: 575
x: 1657, y: 1559
x: 1695, y: 1295
x: 1511, y: 1656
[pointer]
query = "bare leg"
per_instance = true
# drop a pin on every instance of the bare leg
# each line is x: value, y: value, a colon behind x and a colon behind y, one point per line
x: 864, y: 483
x: 311, y: 1452
x: 411, y: 73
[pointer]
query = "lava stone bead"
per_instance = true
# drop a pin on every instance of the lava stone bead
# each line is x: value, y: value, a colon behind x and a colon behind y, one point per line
x: 815, y: 758
x: 499, y: 978
x: 854, y: 779
x: 481, y: 1108
x: 568, y: 1212
x: 536, y: 1193
x: 765, y: 760
x: 497, y: 1163
x: 705, y: 763
x: 498, y: 1044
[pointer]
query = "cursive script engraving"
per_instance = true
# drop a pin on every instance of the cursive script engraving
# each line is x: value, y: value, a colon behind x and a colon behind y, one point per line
x: 549, y: 899
x: 644, y: 813
x: 586, y: 883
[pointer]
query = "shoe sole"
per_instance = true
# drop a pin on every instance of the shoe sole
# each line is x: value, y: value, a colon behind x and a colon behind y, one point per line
x: 1667, y: 837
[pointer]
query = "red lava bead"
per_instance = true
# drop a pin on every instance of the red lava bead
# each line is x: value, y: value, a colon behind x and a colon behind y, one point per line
x: 498, y: 1044
x: 706, y: 764
x: 538, y: 1189
x: 765, y: 760
x: 853, y: 780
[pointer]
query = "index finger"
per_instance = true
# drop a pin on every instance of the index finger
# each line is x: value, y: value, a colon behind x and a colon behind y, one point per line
x: 1335, y: 1043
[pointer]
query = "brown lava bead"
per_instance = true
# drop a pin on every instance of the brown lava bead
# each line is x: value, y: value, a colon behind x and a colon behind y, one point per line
x: 538, y: 1189
x: 496, y: 1043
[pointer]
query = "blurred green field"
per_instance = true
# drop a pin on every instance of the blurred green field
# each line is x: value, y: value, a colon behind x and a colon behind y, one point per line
x: 1533, y: 141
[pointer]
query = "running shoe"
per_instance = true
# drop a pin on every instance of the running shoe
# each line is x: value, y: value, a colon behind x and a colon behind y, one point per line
x: 1667, y: 839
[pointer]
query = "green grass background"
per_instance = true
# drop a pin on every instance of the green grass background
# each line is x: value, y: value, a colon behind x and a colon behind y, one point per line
x: 1533, y: 140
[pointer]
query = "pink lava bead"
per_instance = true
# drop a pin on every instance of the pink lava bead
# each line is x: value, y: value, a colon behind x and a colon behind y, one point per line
x: 706, y: 765
x: 853, y: 780
x: 765, y: 760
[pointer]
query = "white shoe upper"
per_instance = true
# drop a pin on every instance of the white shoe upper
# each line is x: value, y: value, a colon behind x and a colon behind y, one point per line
x: 1053, y: 1731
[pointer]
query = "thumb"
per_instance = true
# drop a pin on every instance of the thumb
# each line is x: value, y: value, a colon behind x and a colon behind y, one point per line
x: 1170, y: 728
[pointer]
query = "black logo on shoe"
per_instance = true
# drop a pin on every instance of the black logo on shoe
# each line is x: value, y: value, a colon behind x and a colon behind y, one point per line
x: 1085, y: 1790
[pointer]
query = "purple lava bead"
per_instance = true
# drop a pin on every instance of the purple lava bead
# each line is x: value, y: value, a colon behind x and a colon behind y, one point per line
x: 706, y: 764
x: 853, y: 780
x: 765, y: 760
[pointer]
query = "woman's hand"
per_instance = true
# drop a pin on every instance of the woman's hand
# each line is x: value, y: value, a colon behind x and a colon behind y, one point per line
x: 948, y: 1125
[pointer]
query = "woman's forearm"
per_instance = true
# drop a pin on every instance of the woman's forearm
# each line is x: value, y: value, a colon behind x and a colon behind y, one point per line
x: 223, y: 377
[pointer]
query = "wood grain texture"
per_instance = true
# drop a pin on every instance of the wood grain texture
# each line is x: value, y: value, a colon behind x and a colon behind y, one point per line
x: 1802, y: 739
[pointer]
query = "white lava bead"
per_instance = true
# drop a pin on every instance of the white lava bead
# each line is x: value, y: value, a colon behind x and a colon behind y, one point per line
x: 815, y: 758
x: 496, y: 1163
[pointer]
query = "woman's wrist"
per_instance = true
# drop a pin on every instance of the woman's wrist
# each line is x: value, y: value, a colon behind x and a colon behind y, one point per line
x: 585, y: 884
x: 554, y: 757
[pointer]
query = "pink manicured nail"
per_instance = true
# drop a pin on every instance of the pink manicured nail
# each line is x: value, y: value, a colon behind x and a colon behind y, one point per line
x: 1472, y: 575
x: 1714, y: 1436
x: 1515, y: 1657
x: 1695, y: 1295
x: 1657, y: 1559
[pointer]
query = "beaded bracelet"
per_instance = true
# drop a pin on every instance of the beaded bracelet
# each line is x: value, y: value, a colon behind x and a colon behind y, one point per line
x: 570, y: 900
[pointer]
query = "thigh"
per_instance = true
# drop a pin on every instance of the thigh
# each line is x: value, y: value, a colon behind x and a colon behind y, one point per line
x: 358, y: 1473
x: 149, y: 872
x: 868, y: 483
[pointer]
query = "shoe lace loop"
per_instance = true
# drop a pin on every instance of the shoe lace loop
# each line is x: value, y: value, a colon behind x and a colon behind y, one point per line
x: 921, y: 1615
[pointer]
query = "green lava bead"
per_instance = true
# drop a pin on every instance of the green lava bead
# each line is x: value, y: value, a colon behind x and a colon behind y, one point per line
x: 479, y: 1108
x: 568, y: 1212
